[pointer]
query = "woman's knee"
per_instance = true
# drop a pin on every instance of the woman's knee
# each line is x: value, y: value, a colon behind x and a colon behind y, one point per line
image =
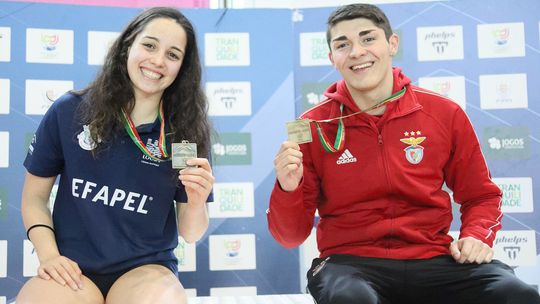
x: 40, y: 291
x: 147, y: 284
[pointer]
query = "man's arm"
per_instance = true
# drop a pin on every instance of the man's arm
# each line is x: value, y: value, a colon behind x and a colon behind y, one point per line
x: 468, y: 176
x: 293, y: 199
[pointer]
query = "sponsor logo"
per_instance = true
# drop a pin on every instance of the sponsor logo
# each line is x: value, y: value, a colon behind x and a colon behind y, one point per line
x: 443, y: 88
x: 232, y: 247
x: 4, y: 149
x: 29, y: 142
x: 3, y: 258
x: 501, y: 40
x: 40, y: 94
x: 229, y: 98
x: 227, y: 49
x: 501, y: 36
x: 439, y: 46
x: 440, y: 43
x: 504, y: 91
x: 232, y: 149
x: 512, y: 252
x: 414, y: 152
x: 312, y: 98
x: 99, y: 44
x: 49, y: 46
x: 233, y: 291
x: 452, y: 87
x: 92, y: 192
x: 307, y: 252
x: 52, y: 198
x: 297, y: 16
x: 314, y: 49
x: 186, y: 255
x: 232, y: 251
x: 4, y: 96
x: 5, y: 44
x: 346, y: 158
x: 232, y: 200
x: 30, y: 259
x: 313, y: 94
x: 516, y: 248
x: 517, y: 194
x: 3, y: 204
x: 505, y: 142
x: 49, y: 42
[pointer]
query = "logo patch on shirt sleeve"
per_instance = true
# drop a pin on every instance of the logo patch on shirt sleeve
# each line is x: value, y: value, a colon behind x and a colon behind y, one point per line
x: 85, y: 140
x: 414, y: 152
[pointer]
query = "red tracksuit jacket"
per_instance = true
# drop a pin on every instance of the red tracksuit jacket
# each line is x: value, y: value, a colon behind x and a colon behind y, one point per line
x: 381, y: 195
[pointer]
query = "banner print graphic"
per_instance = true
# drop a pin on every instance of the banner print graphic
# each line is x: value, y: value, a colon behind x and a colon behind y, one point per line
x: 481, y: 59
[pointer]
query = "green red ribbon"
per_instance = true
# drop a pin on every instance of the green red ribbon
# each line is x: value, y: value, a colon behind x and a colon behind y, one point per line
x: 339, y: 143
x: 132, y: 131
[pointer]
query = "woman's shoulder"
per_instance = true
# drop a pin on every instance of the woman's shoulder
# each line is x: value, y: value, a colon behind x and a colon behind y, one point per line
x: 68, y: 102
x: 68, y: 98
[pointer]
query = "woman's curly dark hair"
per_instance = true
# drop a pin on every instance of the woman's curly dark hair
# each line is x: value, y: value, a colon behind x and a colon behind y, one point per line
x: 184, y: 103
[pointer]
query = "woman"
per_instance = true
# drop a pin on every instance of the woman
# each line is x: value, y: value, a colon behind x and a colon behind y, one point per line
x: 114, y: 227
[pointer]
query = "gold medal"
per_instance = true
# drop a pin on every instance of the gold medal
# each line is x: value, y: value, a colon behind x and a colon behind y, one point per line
x: 299, y: 131
x: 181, y: 152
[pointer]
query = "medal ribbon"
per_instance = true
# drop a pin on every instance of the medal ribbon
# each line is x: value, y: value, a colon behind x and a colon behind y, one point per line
x: 132, y: 131
x: 339, y: 143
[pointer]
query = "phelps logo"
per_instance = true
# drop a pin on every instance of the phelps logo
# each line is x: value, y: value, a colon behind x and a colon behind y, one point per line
x: 346, y: 158
x: 414, y: 152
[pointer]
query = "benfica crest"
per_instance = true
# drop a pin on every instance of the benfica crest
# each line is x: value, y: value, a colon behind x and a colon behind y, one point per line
x: 414, y: 152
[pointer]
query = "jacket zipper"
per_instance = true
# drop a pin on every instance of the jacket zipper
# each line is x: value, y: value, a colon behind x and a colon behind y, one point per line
x: 385, y: 165
x: 389, y: 185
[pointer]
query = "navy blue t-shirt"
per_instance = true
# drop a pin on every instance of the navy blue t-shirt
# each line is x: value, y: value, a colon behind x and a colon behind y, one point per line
x: 114, y: 211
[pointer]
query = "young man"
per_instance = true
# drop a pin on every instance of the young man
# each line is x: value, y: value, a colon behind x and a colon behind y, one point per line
x: 384, y: 218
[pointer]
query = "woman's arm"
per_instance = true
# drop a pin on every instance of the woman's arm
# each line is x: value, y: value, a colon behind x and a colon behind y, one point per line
x: 35, y: 196
x: 192, y: 216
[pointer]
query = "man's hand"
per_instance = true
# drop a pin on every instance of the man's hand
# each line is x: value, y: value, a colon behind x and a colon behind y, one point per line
x: 471, y: 250
x: 288, y: 165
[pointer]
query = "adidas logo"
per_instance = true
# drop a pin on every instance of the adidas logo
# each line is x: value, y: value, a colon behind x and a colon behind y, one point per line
x: 346, y: 158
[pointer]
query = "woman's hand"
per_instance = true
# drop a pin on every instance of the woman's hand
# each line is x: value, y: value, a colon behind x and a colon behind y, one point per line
x: 63, y: 270
x: 197, y: 180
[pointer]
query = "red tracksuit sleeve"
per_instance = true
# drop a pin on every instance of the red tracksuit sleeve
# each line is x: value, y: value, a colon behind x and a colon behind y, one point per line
x: 291, y: 214
x: 469, y: 178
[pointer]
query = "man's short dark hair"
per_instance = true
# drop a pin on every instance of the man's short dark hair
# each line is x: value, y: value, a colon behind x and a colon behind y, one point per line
x: 359, y: 10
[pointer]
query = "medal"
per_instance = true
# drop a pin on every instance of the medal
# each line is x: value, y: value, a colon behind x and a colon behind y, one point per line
x: 181, y: 152
x: 299, y: 131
